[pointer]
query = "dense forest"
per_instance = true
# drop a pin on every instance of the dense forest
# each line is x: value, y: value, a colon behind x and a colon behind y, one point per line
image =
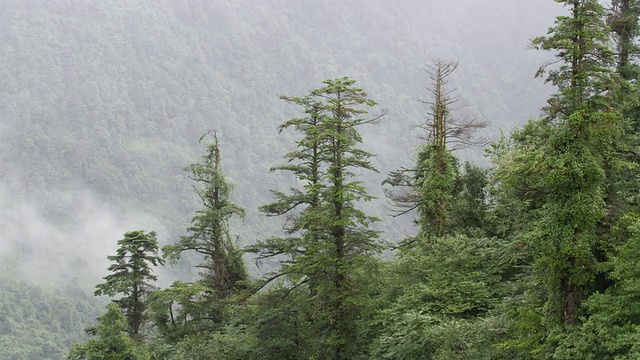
x: 319, y: 180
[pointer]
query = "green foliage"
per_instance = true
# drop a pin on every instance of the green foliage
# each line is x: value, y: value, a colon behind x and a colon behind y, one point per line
x: 623, y: 20
x: 182, y: 310
x: 580, y: 41
x: 333, y: 236
x: 557, y: 165
x: 192, y: 319
x: 528, y: 269
x: 469, y: 211
x: 230, y: 344
x: 38, y: 322
x: 568, y: 177
x: 112, y: 342
x: 126, y: 111
x: 438, y: 296
x: 282, y: 324
x: 131, y: 275
x: 559, y: 180
x: 610, y: 331
x: 224, y: 269
x: 436, y: 184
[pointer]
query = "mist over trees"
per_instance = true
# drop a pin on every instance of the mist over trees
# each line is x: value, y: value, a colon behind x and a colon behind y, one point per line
x: 341, y: 207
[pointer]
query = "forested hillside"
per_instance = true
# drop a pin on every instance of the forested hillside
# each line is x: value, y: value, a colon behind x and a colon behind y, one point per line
x: 113, y: 97
x: 524, y: 254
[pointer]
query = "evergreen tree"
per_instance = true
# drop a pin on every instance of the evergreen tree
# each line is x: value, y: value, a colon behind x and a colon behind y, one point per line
x: 224, y: 268
x: 347, y: 241
x: 132, y: 276
x: 569, y: 163
x: 557, y: 169
x: 623, y: 20
x: 580, y: 41
x: 623, y: 17
x: 567, y: 179
x: 281, y: 325
x: 305, y: 163
x: 112, y: 342
x: 333, y: 240
x: 302, y: 281
x: 193, y: 319
x: 611, y: 331
x: 179, y: 311
x: 432, y: 185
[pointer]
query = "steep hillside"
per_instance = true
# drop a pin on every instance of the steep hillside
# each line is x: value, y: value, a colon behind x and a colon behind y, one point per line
x: 112, y: 97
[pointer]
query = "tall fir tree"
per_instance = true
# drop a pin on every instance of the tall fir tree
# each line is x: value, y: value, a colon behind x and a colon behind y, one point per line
x: 623, y: 20
x: 209, y: 235
x: 331, y: 241
x: 132, y: 276
x: 347, y: 241
x: 305, y: 164
x: 569, y: 163
x: 580, y: 41
x: 556, y: 167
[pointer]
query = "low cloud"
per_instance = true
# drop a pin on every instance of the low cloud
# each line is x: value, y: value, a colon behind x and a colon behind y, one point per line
x: 67, y: 241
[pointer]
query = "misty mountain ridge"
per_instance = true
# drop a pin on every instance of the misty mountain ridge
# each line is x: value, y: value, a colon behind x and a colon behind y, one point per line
x: 99, y: 95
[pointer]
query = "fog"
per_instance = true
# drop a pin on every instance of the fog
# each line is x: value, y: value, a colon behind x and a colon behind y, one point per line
x: 73, y: 246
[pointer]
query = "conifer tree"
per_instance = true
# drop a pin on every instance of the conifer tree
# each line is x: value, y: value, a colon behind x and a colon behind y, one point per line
x: 347, y: 241
x: 611, y: 329
x: 580, y: 41
x: 111, y: 343
x: 572, y: 175
x: 623, y: 20
x: 430, y: 186
x: 436, y: 170
x: 209, y: 235
x: 301, y: 281
x: 305, y: 164
x: 132, y: 276
x: 331, y: 240
x: 557, y: 164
